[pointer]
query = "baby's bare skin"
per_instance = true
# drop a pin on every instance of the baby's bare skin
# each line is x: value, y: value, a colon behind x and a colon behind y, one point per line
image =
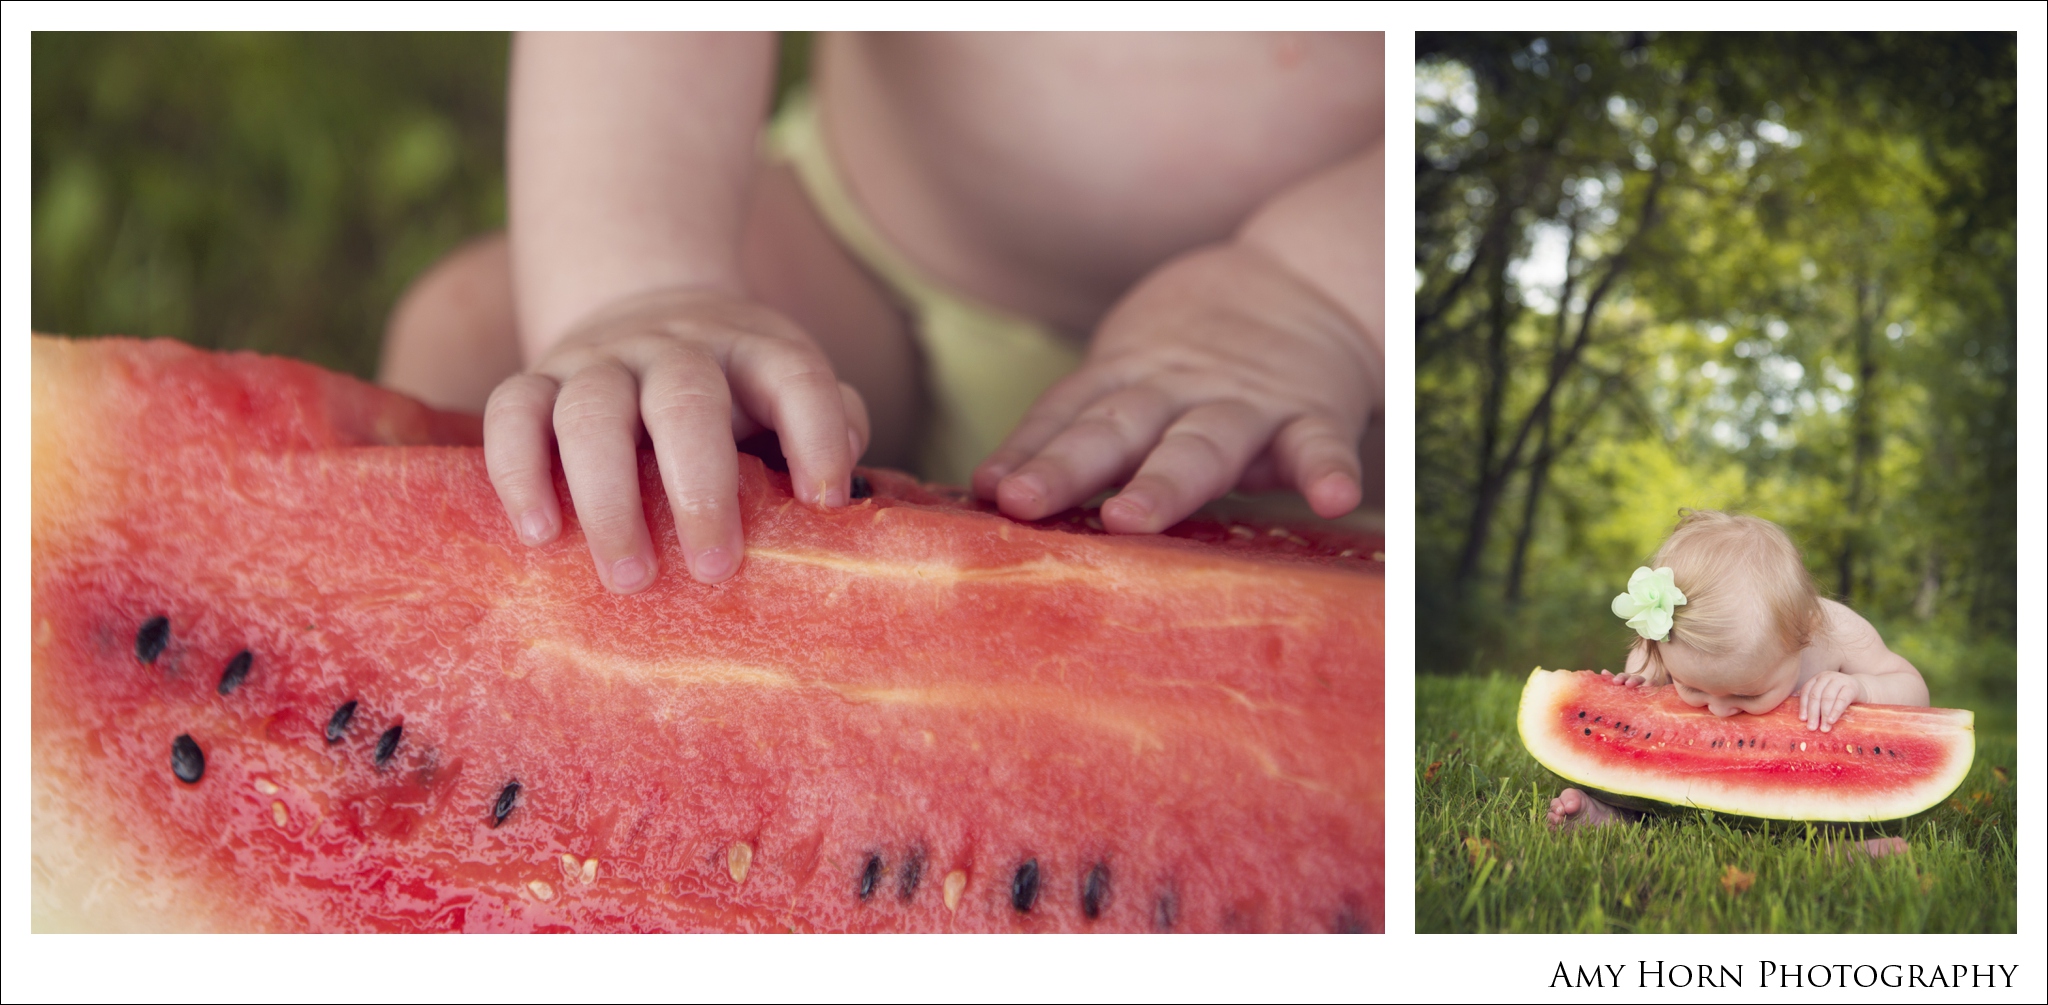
x: 1048, y: 173
x: 1204, y: 210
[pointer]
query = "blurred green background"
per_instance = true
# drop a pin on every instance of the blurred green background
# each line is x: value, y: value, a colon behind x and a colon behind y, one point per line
x: 274, y: 192
x: 1768, y: 273
x: 1772, y: 273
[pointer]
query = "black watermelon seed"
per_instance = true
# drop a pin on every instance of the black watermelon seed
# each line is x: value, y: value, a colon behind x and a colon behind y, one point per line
x: 1877, y: 750
x: 913, y: 870
x: 337, y: 724
x: 1347, y: 923
x: 388, y: 744
x: 507, y: 798
x: 237, y: 671
x: 1589, y: 732
x: 1163, y: 912
x: 187, y: 762
x: 869, y: 873
x: 1024, y: 886
x: 151, y: 638
x: 1095, y: 891
x: 1582, y: 715
x: 861, y: 488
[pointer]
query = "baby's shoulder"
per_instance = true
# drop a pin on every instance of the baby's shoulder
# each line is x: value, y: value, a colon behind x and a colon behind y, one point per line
x: 1844, y: 633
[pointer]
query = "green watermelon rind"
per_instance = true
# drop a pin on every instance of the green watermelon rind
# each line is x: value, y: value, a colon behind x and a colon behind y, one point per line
x: 1640, y: 790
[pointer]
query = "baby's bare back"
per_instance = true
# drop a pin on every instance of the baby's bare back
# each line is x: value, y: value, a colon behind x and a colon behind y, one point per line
x: 1048, y: 172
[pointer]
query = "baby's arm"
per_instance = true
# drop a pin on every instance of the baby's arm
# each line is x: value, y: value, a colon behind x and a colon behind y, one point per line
x: 1857, y: 668
x: 1639, y: 669
x: 1255, y: 363
x: 630, y: 158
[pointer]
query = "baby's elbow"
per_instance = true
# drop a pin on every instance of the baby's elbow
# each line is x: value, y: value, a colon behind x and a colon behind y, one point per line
x: 1914, y: 689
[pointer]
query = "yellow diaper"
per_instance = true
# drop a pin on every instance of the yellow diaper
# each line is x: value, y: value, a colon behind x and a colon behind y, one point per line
x: 984, y: 366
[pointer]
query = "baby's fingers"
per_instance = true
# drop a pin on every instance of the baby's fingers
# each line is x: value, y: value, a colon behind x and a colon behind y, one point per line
x: 518, y: 447
x: 1322, y: 461
x: 688, y: 412
x: 1103, y: 444
x: 597, y: 421
x: 1048, y: 417
x: 1837, y: 705
x: 1198, y: 459
x: 792, y: 387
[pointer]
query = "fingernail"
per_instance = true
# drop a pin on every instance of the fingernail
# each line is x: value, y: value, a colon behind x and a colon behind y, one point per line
x: 712, y: 565
x: 533, y: 527
x: 1032, y: 486
x: 1127, y: 508
x: 831, y: 495
x: 629, y: 573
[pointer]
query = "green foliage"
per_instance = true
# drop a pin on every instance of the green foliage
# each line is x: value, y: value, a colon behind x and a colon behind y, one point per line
x: 1773, y: 274
x: 1486, y: 861
x: 274, y: 192
x: 257, y: 191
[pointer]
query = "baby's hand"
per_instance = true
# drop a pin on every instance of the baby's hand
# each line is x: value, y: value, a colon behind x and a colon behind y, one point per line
x: 696, y: 371
x: 1625, y: 679
x: 1220, y: 370
x: 1826, y: 696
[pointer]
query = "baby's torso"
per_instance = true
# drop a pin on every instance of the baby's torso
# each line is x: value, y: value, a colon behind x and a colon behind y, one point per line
x: 1046, y: 173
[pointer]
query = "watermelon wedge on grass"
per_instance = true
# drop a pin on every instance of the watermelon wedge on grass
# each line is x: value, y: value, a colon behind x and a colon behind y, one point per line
x: 292, y: 672
x: 1643, y: 746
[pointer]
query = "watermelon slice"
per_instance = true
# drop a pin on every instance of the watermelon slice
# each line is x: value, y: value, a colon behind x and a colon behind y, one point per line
x: 1878, y: 762
x: 292, y: 671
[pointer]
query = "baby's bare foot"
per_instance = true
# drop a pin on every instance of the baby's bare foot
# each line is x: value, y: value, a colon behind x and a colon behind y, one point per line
x: 1573, y: 808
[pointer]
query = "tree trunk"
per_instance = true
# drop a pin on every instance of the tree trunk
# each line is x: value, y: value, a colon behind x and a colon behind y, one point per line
x: 1863, y: 422
x: 1539, y: 472
x: 1486, y: 483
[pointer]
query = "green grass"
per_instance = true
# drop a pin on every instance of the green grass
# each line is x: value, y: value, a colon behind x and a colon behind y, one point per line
x: 1485, y: 861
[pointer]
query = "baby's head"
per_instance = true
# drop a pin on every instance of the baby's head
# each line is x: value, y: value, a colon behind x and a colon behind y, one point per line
x: 1750, y: 609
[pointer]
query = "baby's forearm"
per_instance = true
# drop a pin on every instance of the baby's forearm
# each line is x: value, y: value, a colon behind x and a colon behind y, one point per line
x: 1898, y: 685
x: 629, y: 157
x: 1329, y: 230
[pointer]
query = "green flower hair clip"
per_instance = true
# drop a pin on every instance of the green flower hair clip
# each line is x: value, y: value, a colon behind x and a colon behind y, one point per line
x: 1649, y: 602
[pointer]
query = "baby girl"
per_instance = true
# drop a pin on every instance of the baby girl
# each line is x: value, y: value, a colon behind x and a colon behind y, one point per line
x: 1730, y: 618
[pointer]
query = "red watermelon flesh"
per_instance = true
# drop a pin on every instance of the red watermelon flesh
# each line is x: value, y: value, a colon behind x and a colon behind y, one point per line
x: 903, y: 715
x: 1877, y: 762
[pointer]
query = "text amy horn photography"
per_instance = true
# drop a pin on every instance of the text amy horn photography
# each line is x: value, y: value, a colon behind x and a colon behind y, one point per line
x: 1770, y: 974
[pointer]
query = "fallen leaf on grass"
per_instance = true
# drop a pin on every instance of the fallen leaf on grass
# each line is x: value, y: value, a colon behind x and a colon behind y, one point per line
x: 1480, y: 849
x: 1430, y: 774
x: 1980, y: 798
x: 1735, y: 881
x: 1957, y: 805
x: 1999, y: 773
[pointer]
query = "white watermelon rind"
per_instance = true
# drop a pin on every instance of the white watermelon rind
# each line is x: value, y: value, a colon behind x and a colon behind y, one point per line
x: 1546, y: 688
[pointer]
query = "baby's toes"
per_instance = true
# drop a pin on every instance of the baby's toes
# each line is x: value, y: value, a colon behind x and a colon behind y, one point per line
x: 1563, y: 808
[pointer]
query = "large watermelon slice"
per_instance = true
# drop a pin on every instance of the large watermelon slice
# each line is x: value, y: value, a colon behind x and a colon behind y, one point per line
x: 293, y: 672
x: 1878, y: 762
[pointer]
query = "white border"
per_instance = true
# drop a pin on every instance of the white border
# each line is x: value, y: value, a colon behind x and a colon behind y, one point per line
x: 1396, y: 967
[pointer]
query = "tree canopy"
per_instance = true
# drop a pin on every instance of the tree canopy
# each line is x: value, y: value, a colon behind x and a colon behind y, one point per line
x: 1768, y: 273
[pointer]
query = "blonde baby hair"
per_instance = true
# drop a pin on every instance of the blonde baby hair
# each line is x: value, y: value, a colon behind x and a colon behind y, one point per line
x: 1734, y: 569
